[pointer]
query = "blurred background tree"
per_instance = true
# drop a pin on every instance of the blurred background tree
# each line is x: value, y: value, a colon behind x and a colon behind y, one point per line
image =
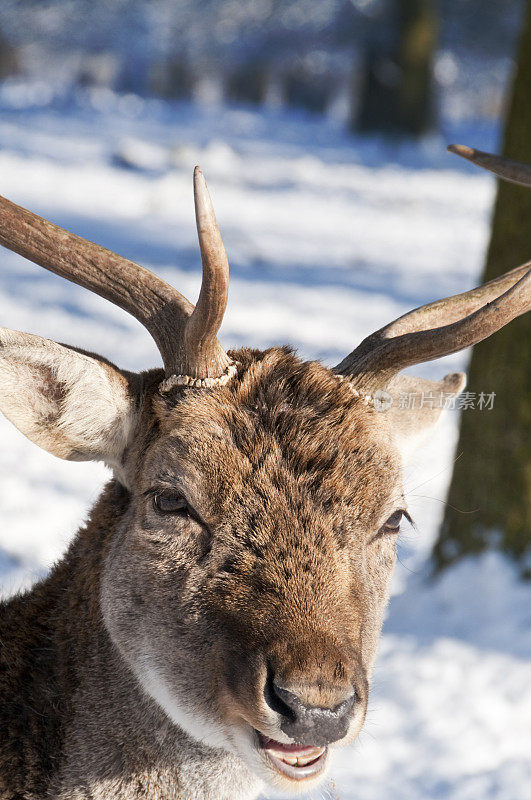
x: 8, y: 58
x: 373, y: 65
x: 397, y: 93
x: 492, y: 477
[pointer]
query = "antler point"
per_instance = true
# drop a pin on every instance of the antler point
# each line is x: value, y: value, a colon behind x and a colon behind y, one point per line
x: 461, y: 150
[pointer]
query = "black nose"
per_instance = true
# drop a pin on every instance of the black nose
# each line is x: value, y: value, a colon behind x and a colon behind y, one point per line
x: 309, y: 724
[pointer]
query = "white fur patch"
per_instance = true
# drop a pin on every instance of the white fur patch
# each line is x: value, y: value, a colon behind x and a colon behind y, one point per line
x: 190, y: 721
x: 69, y: 403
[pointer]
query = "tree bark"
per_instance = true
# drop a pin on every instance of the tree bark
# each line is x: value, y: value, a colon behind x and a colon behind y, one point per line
x: 492, y: 479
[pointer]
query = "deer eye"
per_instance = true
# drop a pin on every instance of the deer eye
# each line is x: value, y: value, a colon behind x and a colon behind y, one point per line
x: 393, y: 523
x: 171, y: 503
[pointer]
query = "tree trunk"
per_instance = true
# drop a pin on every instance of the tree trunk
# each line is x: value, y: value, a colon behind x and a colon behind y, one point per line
x: 8, y: 59
x: 247, y: 83
x: 397, y: 89
x: 492, y: 479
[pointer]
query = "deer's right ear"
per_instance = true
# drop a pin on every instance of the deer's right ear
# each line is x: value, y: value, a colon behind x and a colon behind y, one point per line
x: 71, y: 404
x: 417, y: 406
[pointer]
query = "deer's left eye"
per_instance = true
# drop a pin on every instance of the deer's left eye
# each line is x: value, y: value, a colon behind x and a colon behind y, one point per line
x: 392, y: 525
x: 171, y: 503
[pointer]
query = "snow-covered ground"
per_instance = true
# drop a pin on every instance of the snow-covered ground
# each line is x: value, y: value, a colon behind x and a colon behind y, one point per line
x: 329, y: 237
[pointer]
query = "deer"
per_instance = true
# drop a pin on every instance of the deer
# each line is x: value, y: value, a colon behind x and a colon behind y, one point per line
x: 211, y: 631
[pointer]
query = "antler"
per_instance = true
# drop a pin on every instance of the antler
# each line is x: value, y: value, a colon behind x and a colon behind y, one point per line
x: 511, y: 171
x: 185, y: 337
x: 449, y: 325
x: 422, y: 335
x: 201, y: 345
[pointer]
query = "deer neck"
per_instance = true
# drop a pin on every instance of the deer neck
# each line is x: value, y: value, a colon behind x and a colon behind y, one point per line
x: 92, y: 728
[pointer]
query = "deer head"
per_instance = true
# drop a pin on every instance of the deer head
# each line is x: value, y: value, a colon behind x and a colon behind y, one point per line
x: 246, y: 587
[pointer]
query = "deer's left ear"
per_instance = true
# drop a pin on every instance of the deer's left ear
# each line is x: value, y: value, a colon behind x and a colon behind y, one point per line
x: 74, y: 405
x: 417, y: 405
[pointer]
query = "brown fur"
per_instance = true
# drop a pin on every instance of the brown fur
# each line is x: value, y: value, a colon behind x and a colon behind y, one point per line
x: 292, y: 476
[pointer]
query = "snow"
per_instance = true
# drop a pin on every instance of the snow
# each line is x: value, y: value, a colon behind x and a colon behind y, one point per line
x: 329, y: 237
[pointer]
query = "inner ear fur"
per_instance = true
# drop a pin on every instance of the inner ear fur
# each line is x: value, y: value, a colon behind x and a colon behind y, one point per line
x: 77, y: 406
x: 417, y: 406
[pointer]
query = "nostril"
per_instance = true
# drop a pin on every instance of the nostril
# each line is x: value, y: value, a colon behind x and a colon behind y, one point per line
x: 289, y: 700
x: 276, y: 701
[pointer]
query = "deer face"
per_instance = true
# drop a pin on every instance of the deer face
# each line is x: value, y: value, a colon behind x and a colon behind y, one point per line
x: 247, y: 587
x: 246, y: 584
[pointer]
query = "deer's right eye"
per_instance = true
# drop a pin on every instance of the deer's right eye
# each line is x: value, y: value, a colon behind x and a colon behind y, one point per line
x: 393, y: 523
x: 171, y: 503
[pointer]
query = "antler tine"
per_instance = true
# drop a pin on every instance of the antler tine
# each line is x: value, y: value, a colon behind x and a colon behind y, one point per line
x: 397, y: 346
x: 204, y: 355
x: 185, y: 338
x: 454, y: 308
x: 512, y: 171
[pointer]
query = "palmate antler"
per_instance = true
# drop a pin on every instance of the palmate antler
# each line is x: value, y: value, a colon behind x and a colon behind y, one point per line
x: 445, y: 326
x: 185, y: 336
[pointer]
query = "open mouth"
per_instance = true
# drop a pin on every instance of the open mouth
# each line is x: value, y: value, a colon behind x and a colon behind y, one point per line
x: 294, y: 761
